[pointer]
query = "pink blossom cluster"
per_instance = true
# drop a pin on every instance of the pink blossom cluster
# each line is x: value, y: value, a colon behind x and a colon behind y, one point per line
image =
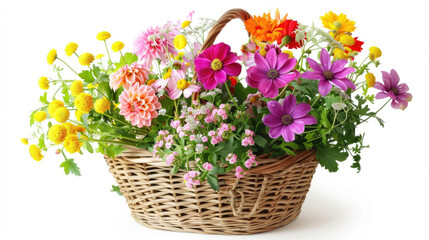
x: 239, y: 172
x: 171, y: 157
x: 248, y: 138
x: 231, y: 158
x: 252, y: 160
x: 191, y: 178
x: 164, y: 139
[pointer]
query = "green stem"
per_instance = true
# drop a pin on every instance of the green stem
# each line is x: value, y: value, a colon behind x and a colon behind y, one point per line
x: 230, y: 94
x: 377, y: 111
x: 108, y: 54
x: 315, y: 101
x: 123, y: 57
x: 68, y: 66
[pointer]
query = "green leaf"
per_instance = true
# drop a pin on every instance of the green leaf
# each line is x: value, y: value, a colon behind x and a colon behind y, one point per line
x: 260, y: 141
x: 70, y: 167
x: 129, y: 59
x: 41, y: 144
x: 116, y: 189
x: 44, y: 99
x: 328, y: 157
x: 87, y: 77
x: 88, y: 147
x: 324, y: 118
x: 213, y: 182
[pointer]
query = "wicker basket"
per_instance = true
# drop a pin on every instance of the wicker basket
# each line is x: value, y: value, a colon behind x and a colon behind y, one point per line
x: 268, y: 197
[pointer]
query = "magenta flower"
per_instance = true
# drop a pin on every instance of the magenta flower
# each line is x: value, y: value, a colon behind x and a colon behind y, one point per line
x: 289, y: 119
x: 215, y: 63
x: 391, y: 88
x: 271, y: 73
x: 329, y: 74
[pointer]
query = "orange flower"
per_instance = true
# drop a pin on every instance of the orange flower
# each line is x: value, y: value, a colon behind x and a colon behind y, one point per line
x: 264, y: 28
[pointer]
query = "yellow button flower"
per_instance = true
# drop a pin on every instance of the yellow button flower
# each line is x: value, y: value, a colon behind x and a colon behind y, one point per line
x: 289, y: 53
x: 76, y: 88
x: 72, y: 144
x: 57, y: 133
x: 370, y: 79
x: 24, y: 141
x: 43, y: 83
x: 374, y: 53
x: 52, y: 55
x: 62, y: 114
x: 70, y: 127
x: 35, y: 152
x: 186, y: 23
x: 102, y: 105
x: 71, y: 48
x: 40, y: 116
x: 180, y: 42
x: 103, y: 35
x: 86, y: 59
x: 83, y: 102
x: 117, y: 46
x: 346, y: 39
x: 53, y: 106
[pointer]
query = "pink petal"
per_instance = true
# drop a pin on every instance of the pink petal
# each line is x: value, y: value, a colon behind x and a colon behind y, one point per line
x: 314, y: 65
x: 379, y: 86
x: 261, y: 63
x: 220, y: 76
x: 324, y: 87
x: 233, y: 69
x: 325, y: 59
x: 289, y: 104
x: 313, y: 75
x: 344, y: 72
x: 275, y: 108
x: 387, y: 80
x: 339, y: 84
x: 275, y: 132
x: 271, y: 120
x: 308, y: 120
x: 338, y: 65
x: 300, y: 110
x: 403, y: 87
x: 297, y: 127
x: 205, y: 73
x: 287, y: 134
x: 381, y: 95
x: 271, y: 58
x: 287, y: 66
x: 281, y: 59
x: 395, y: 77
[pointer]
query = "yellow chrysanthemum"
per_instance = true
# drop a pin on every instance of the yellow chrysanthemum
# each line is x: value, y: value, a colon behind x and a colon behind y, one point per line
x: 78, y: 115
x: 76, y: 88
x: 52, y: 55
x: 53, y: 106
x: 374, y: 53
x: 338, y: 24
x: 86, y: 59
x: 289, y: 53
x: 179, y: 56
x: 43, y: 83
x: 370, y: 79
x: 103, y: 35
x: 117, y: 46
x: 71, y: 48
x: 102, y: 105
x: 180, y: 42
x: 90, y: 86
x: 40, y: 116
x: 57, y: 133
x: 72, y: 144
x: 186, y: 23
x: 62, y: 114
x: 71, y: 128
x: 99, y: 56
x: 24, y: 141
x: 35, y: 152
x: 83, y: 102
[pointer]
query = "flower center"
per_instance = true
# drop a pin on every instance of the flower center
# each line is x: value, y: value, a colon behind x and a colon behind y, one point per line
x: 216, y: 64
x: 395, y: 91
x: 182, y: 84
x: 328, y: 74
x: 337, y: 24
x: 272, y: 74
x: 286, y: 119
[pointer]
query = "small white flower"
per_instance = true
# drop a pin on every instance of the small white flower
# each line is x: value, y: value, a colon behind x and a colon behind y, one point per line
x: 338, y: 106
x: 161, y: 92
x: 199, y: 148
x: 162, y: 112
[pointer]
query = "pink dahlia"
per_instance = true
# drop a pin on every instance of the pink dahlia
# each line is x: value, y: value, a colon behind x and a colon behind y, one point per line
x: 180, y: 85
x: 391, y: 88
x: 215, y: 63
x: 154, y: 43
x: 271, y: 73
x: 139, y: 105
x: 329, y: 73
x: 128, y: 75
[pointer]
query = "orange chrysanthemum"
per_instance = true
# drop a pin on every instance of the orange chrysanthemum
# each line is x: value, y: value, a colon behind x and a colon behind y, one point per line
x: 264, y: 28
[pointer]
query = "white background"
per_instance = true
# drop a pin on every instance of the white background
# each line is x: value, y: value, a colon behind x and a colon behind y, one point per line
x: 387, y: 200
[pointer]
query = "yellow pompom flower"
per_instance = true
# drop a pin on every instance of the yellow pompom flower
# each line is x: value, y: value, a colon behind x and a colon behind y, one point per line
x: 35, y: 152
x: 52, y: 55
x: 62, y: 114
x: 340, y: 54
x: 118, y: 45
x: 71, y: 48
x: 86, y: 59
x: 40, y: 116
x: 76, y: 88
x: 370, y: 79
x: 99, y: 56
x: 24, y: 141
x: 103, y: 35
x: 57, y: 133
x: 53, y: 106
x: 71, y: 128
x: 346, y: 39
x: 80, y: 128
x: 78, y: 115
x: 374, y: 53
x: 180, y: 42
x: 186, y: 23
x: 83, y: 102
x: 43, y: 83
x: 102, y: 105
x: 289, y: 53
x: 72, y: 144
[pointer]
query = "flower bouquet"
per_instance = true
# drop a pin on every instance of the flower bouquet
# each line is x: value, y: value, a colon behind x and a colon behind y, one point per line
x: 202, y: 139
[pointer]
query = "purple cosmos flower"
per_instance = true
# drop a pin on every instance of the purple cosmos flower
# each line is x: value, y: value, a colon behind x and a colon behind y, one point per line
x: 271, y: 73
x: 289, y: 119
x: 329, y: 74
x: 391, y: 88
x: 215, y: 63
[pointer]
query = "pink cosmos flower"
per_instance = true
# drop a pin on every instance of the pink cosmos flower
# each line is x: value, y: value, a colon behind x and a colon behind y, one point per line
x: 289, y: 119
x: 215, y: 63
x: 128, y: 75
x: 329, y: 74
x: 271, y: 73
x: 178, y: 86
x: 391, y: 88
x: 154, y: 43
x: 138, y: 105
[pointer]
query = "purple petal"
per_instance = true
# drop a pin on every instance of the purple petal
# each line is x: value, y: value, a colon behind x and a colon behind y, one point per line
x: 308, y: 120
x: 338, y: 65
x: 271, y: 121
x: 348, y: 83
x: 399, y: 104
x: 297, y: 127
x: 387, y: 80
x: 379, y: 86
x: 230, y: 58
x: 220, y: 76
x: 325, y: 59
x: 324, y: 87
x: 405, y: 96
x: 381, y: 95
x: 287, y: 134
x: 289, y: 104
x: 313, y: 75
x: 339, y: 84
x: 275, y: 132
x: 261, y: 63
x: 275, y: 108
x: 233, y: 69
x: 394, y: 77
x: 287, y: 66
x: 251, y: 81
x: 271, y: 58
x: 281, y: 59
x: 344, y: 72
x: 287, y: 78
x: 272, y: 92
x: 300, y: 110
x: 314, y: 65
x: 402, y: 88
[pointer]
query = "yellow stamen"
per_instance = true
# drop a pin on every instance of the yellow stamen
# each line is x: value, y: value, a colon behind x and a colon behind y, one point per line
x: 216, y: 64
